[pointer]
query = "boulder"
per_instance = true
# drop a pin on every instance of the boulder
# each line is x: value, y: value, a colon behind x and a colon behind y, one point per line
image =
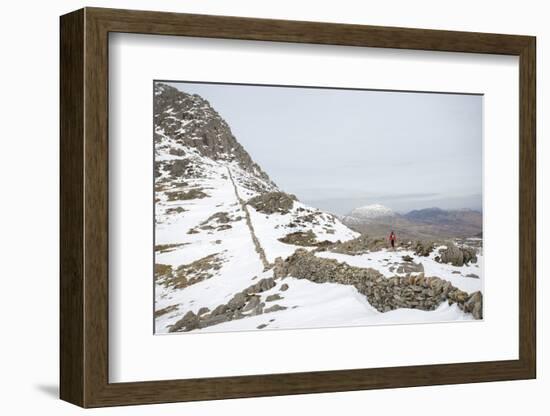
x: 261, y: 286
x: 203, y: 310
x: 210, y: 320
x: 218, y: 310
x: 252, y: 303
x: 237, y: 301
x: 274, y: 297
x: 457, y: 256
x: 274, y: 308
x: 189, y: 322
x: 423, y: 248
x: 474, y: 305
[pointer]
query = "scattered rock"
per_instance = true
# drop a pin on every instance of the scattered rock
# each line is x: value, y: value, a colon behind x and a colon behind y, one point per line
x: 273, y: 202
x: 300, y: 238
x: 177, y: 167
x: 189, y: 274
x: 237, y: 302
x: 210, y: 320
x: 423, y: 248
x: 472, y: 275
x: 176, y: 152
x: 203, y: 310
x: 189, y: 322
x: 195, y: 193
x: 359, y: 245
x: 284, y: 287
x: 164, y: 311
x: 457, y: 256
x: 177, y: 210
x: 474, y: 305
x: 262, y: 326
x: 218, y: 310
x: 216, y: 222
x: 274, y: 308
x: 407, y: 258
x: 274, y: 297
x: 252, y: 303
x: 166, y: 248
x: 409, y: 267
x: 261, y: 286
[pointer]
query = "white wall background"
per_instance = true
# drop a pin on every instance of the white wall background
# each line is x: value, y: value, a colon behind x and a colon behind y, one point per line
x: 29, y: 208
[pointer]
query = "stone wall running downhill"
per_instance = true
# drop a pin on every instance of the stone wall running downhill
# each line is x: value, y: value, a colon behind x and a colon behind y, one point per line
x: 384, y: 294
x: 242, y: 305
x: 257, y: 245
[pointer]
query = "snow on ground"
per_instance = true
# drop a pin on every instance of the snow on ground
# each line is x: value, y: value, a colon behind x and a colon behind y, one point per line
x: 384, y: 259
x: 323, y: 305
x: 309, y: 305
x: 269, y: 228
x: 234, y: 245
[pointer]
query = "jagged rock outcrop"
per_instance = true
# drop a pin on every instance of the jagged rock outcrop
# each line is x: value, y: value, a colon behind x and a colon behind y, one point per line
x: 191, y: 121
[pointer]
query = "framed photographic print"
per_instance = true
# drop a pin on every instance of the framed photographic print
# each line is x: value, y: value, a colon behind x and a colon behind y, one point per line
x: 255, y: 207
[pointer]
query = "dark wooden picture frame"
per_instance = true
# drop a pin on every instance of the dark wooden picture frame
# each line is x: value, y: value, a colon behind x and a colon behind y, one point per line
x: 84, y: 207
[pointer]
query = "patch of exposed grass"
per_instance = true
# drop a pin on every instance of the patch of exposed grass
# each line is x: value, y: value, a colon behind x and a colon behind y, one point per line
x: 162, y: 270
x: 195, y: 193
x: 165, y: 248
x: 161, y: 188
x: 195, y: 272
x: 216, y: 222
x: 166, y: 310
x: 300, y: 238
x: 177, y: 210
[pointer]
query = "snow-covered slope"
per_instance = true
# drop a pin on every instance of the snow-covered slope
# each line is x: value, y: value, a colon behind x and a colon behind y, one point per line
x: 205, y: 248
x: 221, y: 223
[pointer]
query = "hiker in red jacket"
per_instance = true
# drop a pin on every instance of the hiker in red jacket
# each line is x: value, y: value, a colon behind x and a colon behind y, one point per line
x: 392, y: 238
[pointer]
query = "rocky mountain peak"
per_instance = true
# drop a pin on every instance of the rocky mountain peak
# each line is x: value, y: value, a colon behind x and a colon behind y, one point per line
x: 191, y: 121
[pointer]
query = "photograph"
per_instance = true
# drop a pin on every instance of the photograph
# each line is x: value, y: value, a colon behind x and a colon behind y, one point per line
x: 295, y: 207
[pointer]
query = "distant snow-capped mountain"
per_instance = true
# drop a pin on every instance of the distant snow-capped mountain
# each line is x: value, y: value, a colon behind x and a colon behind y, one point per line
x: 372, y: 211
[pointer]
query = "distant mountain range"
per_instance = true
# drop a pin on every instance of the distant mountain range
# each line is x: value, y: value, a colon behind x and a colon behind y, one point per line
x: 429, y: 223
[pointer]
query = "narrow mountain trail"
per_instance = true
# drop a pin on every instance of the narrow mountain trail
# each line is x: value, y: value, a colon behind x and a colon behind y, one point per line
x: 255, y: 240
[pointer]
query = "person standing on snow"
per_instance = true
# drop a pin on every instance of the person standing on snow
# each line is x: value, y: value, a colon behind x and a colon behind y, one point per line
x: 392, y: 239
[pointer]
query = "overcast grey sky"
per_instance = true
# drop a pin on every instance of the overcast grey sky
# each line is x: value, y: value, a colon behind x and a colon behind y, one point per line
x: 339, y: 149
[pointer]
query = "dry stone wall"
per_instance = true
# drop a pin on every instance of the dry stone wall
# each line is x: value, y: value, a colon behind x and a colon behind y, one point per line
x: 384, y: 294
